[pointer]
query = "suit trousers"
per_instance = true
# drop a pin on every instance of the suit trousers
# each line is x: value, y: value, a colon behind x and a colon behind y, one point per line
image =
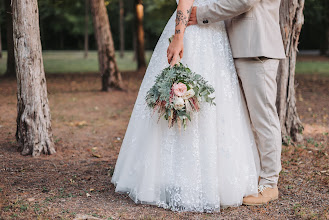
x: 258, y: 79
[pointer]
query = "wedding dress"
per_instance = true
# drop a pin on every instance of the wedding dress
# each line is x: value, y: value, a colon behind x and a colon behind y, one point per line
x: 214, y: 162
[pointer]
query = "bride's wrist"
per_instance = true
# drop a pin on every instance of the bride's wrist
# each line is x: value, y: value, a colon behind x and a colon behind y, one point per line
x: 179, y: 35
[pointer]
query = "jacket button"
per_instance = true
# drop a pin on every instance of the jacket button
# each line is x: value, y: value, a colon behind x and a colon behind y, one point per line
x: 205, y: 21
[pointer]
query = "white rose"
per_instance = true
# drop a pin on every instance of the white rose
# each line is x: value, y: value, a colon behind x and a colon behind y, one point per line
x: 179, y: 103
x: 188, y: 94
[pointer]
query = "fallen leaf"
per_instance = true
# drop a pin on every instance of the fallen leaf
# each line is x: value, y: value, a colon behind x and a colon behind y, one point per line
x: 96, y: 155
x: 78, y: 123
x: 85, y: 217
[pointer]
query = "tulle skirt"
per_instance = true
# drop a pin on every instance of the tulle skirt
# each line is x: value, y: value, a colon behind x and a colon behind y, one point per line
x: 214, y: 162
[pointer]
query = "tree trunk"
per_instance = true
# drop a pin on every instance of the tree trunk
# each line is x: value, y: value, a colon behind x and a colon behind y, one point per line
x: 134, y: 44
x: 327, y: 41
x: 326, y: 5
x: 122, y: 29
x: 139, y: 14
x: 291, y: 21
x: 324, y: 46
x: 61, y: 40
x: 86, y: 28
x: 111, y: 76
x: 33, y: 133
x: 10, y: 72
x: 0, y: 34
x: 0, y: 44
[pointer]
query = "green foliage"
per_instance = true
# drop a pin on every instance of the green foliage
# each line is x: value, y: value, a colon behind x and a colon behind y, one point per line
x: 316, y: 11
x: 157, y: 14
x: 179, y: 73
x: 161, y: 96
x: 62, y: 23
x: 315, y: 28
x: 63, y: 15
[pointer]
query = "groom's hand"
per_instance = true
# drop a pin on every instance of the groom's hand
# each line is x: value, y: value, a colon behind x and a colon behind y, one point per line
x: 193, y: 19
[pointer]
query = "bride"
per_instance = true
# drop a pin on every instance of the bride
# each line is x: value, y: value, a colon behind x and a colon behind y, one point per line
x: 214, y: 162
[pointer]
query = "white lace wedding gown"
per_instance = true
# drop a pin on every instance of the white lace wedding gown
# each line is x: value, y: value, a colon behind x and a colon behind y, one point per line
x: 214, y: 162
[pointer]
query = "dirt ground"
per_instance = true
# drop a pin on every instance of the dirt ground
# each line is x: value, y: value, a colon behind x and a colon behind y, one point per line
x: 313, y: 58
x: 88, y: 127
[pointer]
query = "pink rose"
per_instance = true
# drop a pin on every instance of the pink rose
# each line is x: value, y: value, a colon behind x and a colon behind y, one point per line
x: 179, y: 89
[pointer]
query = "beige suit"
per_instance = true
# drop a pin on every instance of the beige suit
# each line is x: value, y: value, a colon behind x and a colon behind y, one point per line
x: 252, y: 26
x: 256, y: 41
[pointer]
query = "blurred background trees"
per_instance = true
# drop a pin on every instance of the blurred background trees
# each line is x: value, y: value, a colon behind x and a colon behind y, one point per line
x: 62, y: 23
x: 10, y: 71
x: 315, y: 32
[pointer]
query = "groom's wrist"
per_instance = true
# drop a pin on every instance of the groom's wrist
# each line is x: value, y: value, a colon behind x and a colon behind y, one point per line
x: 200, y: 16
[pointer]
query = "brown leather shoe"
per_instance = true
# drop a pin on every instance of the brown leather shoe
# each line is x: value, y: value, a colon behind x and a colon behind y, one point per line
x: 265, y: 195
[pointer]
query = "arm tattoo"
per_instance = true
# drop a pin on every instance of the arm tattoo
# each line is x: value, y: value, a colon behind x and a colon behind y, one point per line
x: 182, y: 19
x: 189, y: 12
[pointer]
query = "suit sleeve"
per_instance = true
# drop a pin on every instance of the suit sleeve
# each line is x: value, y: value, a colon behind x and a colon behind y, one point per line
x: 221, y: 10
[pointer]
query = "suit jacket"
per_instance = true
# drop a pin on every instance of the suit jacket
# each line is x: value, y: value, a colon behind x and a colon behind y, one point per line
x: 252, y: 26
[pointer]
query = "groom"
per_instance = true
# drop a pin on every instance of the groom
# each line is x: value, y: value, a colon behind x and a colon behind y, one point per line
x: 256, y: 41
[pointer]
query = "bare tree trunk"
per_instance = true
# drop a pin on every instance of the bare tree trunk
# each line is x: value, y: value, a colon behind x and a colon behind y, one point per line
x: 327, y: 41
x: 34, y: 133
x: 111, y: 76
x: 10, y: 72
x: 86, y: 28
x: 326, y: 5
x: 0, y: 35
x: 134, y: 44
x: 139, y: 13
x: 122, y: 29
x: 0, y: 44
x: 324, y: 44
x: 61, y: 40
x: 291, y: 21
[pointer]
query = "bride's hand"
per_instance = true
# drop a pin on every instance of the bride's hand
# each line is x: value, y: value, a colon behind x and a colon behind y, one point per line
x: 175, y: 50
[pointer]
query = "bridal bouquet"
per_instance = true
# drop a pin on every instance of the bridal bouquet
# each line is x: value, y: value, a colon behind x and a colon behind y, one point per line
x: 177, y: 93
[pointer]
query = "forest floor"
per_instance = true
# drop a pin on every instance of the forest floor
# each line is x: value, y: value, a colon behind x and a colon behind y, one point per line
x: 88, y: 127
